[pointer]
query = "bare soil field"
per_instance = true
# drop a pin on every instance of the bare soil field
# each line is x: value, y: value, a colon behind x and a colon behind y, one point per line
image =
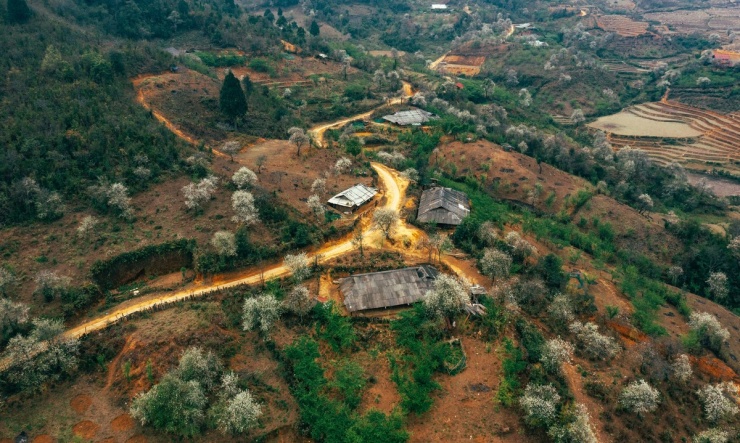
x: 626, y: 123
x: 622, y: 25
x: 720, y: 186
x: 705, y: 20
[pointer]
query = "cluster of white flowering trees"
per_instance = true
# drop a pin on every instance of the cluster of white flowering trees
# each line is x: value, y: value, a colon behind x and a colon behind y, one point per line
x: 179, y: 403
x: 541, y: 405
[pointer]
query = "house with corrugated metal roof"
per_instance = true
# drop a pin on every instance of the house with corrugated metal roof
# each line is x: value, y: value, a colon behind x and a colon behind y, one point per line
x: 352, y: 198
x: 387, y: 289
x: 443, y: 206
x: 413, y: 117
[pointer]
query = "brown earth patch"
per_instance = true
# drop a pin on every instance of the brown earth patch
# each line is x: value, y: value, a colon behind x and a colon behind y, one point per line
x: 43, y: 438
x: 107, y: 440
x: 137, y: 439
x: 86, y: 429
x: 123, y: 422
x: 713, y: 367
x: 80, y: 403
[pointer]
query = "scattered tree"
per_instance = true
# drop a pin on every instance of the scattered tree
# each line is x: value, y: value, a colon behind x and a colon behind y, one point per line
x: 719, y: 401
x: 675, y: 273
x: 385, y: 219
x: 577, y: 117
x: 50, y: 284
x: 703, y: 82
x: 118, y: 199
x: 298, y: 137
x: 594, y: 344
x: 449, y: 296
x: 244, y: 178
x: 197, y: 194
x: 299, y: 300
x: 172, y: 405
x: 225, y: 243
x: 298, y: 266
x: 717, y: 286
x: 319, y: 186
x: 232, y: 101
x: 260, y: 162
x: 410, y: 174
x: 231, y: 148
x: 316, y: 207
x: 200, y: 366
x: 713, y: 435
x: 644, y: 203
x: 561, y: 310
x: 495, y: 264
x: 342, y: 165
x: 681, y: 369
x: 245, y: 212
x: 358, y: 239
x: 260, y: 312
x: 7, y: 280
x: 577, y: 431
x: 639, y: 397
x: 240, y: 414
x: 540, y: 404
x: 314, y: 29
x: 12, y: 316
x: 708, y: 331
x: 556, y: 352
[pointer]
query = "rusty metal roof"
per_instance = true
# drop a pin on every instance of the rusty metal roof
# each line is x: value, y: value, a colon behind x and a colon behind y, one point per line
x: 443, y: 206
x: 387, y: 289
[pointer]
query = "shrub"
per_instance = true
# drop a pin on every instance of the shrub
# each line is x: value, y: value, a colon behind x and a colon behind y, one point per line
x: 556, y: 352
x: 681, y: 369
x: 707, y: 331
x: 577, y: 431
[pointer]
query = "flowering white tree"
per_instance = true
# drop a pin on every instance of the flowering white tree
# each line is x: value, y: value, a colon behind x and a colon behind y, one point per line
x: 708, y: 330
x: 299, y: 300
x: 675, y: 273
x: 318, y: 186
x: 244, y: 178
x: 7, y: 280
x: 315, y: 205
x: 718, y: 286
x: 410, y: 174
x: 681, y: 369
x: 577, y: 117
x: 449, y: 296
x: 197, y: 194
x: 639, y: 397
x: 577, y: 431
x: 385, y: 219
x: 594, y: 344
x: 298, y: 137
x: 260, y: 312
x: 118, y: 198
x: 561, y: 309
x: 495, y: 264
x: 391, y: 158
x: 242, y: 202
x: 201, y: 366
x: 644, y: 203
x: 87, y: 226
x: 556, y: 352
x: 231, y: 148
x: 225, y: 243
x: 12, y: 315
x: 540, y: 404
x: 342, y: 165
x: 520, y: 247
x: 298, y: 266
x: 239, y: 414
x: 719, y: 401
x: 734, y: 246
x: 50, y: 284
x: 487, y: 233
x: 173, y: 405
x: 525, y: 97
x: 713, y: 435
x: 703, y: 82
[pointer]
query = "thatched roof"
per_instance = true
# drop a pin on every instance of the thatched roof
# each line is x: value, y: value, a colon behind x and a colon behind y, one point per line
x: 386, y: 289
x: 443, y: 206
x: 354, y: 197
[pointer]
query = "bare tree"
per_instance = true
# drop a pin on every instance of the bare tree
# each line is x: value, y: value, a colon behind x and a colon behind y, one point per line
x: 260, y: 162
x: 316, y: 207
x: 385, y: 219
x: 298, y: 137
x: 358, y: 239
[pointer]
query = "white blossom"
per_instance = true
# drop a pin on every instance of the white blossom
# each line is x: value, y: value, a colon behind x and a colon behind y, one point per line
x: 244, y: 178
x: 594, y: 344
x: 449, y: 296
x: 719, y: 400
x: 639, y: 397
x: 540, y: 403
x: 225, y: 243
x: 240, y: 414
x: 556, y: 352
x: 260, y: 312
x: 242, y: 202
x: 297, y: 265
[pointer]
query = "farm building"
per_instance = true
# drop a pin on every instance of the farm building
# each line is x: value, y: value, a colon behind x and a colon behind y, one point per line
x: 439, y: 7
x: 414, y: 117
x: 443, y: 206
x: 353, y: 197
x: 380, y: 290
x: 728, y: 59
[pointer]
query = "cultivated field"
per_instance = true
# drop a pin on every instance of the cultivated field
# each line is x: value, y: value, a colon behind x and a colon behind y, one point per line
x: 622, y: 25
x: 704, y: 20
x: 657, y: 128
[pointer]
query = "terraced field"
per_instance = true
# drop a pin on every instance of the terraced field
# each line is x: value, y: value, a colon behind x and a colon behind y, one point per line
x: 706, y: 139
x: 622, y: 25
